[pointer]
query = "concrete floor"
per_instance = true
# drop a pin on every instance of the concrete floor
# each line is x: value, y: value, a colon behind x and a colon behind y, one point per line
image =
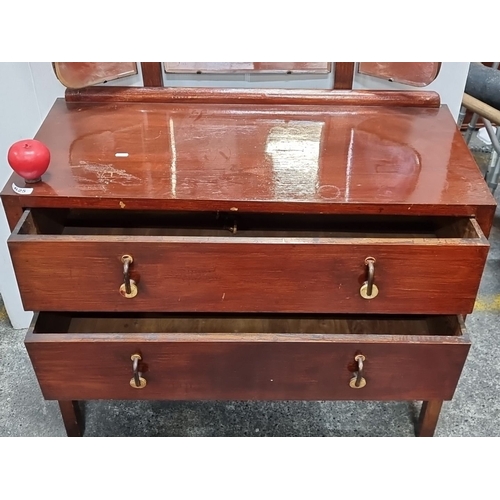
x: 474, y: 411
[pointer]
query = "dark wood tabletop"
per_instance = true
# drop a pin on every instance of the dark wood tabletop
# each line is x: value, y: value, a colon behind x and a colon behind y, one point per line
x: 257, y: 158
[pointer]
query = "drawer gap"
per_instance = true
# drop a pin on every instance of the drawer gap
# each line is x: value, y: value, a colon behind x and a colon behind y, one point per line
x: 414, y: 325
x: 77, y: 222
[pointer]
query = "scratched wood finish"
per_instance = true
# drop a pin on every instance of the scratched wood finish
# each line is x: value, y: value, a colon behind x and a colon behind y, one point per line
x: 425, y: 99
x: 151, y: 74
x: 275, y: 271
x: 343, y: 76
x: 246, y: 366
x: 204, y: 157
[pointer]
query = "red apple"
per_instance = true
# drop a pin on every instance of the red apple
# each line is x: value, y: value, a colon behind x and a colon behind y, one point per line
x: 29, y: 158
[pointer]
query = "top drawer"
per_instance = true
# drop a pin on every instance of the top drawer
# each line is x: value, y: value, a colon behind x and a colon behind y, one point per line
x: 71, y: 260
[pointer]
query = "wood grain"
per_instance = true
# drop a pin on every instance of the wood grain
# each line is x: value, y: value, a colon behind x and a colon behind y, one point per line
x: 72, y: 418
x: 13, y: 210
x: 263, y: 327
x: 428, y: 419
x: 343, y: 76
x: 152, y: 74
x: 201, y: 157
x: 244, y: 366
x: 255, y: 96
x: 272, y: 272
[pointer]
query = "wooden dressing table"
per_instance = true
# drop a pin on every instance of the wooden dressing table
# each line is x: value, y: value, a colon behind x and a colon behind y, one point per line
x: 194, y: 244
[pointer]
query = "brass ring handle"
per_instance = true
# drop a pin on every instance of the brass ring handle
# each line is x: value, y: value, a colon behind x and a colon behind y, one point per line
x: 358, y: 380
x: 129, y: 287
x: 137, y: 381
x: 370, y: 262
x: 369, y: 289
x: 135, y: 367
x: 127, y: 260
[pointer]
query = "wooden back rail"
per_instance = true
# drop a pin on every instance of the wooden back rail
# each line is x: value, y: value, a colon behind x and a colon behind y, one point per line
x: 422, y: 99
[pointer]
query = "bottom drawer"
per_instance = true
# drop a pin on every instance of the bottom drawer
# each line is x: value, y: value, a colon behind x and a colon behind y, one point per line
x: 234, y: 357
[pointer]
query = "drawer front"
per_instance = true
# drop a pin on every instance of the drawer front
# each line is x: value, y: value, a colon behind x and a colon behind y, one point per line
x: 84, y: 272
x: 244, y: 276
x: 253, y: 366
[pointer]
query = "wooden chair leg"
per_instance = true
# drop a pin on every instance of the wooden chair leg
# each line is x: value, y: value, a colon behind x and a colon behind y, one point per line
x: 72, y: 418
x: 429, y: 415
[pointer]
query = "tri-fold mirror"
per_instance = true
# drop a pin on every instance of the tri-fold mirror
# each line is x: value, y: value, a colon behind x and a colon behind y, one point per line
x: 83, y: 74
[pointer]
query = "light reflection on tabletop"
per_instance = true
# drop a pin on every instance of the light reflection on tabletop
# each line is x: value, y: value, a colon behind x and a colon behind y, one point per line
x: 305, y: 154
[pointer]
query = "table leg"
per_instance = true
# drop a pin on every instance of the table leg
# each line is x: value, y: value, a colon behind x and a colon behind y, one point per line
x: 72, y: 418
x: 429, y: 415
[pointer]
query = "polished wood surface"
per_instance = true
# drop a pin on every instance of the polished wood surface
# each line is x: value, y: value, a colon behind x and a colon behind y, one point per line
x: 264, y: 270
x: 343, y: 75
x: 185, y: 276
x: 258, y: 158
x: 247, y: 366
x: 255, y: 96
x: 429, y: 415
x: 72, y: 418
x: 151, y: 74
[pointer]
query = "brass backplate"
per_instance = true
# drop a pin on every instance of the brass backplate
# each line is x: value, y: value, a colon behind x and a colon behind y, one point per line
x: 362, y: 383
x: 364, y: 289
x: 133, y: 290
x: 142, y: 383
